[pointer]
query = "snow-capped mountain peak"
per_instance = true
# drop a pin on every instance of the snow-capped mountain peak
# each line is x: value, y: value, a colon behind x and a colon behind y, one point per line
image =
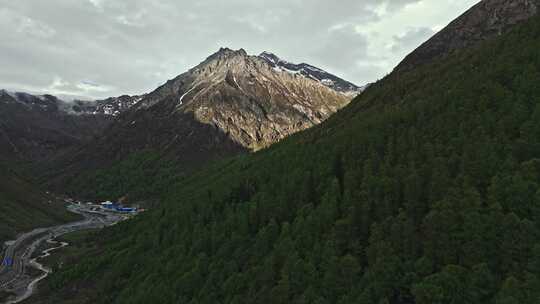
x: 312, y: 72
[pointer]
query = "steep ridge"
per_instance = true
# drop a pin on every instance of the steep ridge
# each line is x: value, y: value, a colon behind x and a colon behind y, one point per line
x: 327, y: 79
x: 424, y: 190
x: 487, y: 19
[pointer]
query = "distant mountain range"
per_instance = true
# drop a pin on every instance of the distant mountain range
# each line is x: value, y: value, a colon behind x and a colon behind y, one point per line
x: 35, y: 128
x: 111, y: 106
x: 230, y: 103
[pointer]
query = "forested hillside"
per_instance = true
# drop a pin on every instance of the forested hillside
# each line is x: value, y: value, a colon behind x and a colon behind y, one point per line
x: 23, y: 207
x: 424, y: 190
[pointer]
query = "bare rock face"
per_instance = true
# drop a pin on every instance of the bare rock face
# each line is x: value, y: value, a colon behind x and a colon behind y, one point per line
x: 485, y: 20
x: 248, y: 98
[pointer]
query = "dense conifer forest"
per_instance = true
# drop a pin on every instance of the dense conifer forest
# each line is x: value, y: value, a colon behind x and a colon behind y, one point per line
x: 424, y: 190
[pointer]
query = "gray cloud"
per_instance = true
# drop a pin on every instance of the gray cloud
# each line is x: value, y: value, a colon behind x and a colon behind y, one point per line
x: 412, y: 38
x: 99, y: 48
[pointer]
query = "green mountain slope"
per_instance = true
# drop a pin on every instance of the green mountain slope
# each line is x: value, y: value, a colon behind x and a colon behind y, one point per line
x: 424, y: 190
x: 24, y: 207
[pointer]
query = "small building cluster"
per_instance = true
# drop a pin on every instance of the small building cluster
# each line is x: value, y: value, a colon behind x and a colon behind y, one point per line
x: 116, y: 207
x: 8, y: 262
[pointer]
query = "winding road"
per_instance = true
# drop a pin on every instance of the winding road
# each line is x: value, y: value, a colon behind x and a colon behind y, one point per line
x: 14, y: 277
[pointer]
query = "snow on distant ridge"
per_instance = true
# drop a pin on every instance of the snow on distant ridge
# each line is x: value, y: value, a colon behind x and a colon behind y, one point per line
x: 112, y: 106
x: 312, y: 72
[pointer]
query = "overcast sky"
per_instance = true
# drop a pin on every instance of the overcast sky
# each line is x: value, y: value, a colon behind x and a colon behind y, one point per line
x: 101, y: 48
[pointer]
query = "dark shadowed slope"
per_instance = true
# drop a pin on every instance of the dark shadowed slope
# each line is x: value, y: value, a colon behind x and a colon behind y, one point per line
x: 35, y: 128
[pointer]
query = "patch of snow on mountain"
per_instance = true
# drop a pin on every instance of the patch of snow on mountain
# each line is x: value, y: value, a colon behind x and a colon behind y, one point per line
x: 327, y: 82
x: 312, y: 68
x: 185, y: 94
x: 236, y: 82
x: 294, y: 72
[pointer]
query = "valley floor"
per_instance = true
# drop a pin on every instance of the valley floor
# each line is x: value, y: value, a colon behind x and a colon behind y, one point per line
x: 21, y: 271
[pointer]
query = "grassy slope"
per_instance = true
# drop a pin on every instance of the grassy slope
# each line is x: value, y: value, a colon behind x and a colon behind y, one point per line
x: 23, y: 206
x: 424, y: 190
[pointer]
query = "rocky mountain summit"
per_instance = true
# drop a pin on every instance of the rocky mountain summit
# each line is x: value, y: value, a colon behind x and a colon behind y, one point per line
x: 487, y: 19
x: 252, y: 99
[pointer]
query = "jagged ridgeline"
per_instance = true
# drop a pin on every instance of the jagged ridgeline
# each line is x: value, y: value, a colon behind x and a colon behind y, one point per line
x: 423, y: 190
